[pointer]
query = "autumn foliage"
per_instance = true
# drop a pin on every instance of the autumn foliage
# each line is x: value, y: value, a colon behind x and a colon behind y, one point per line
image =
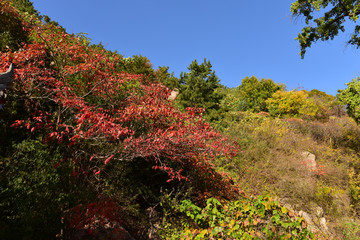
x: 79, y: 98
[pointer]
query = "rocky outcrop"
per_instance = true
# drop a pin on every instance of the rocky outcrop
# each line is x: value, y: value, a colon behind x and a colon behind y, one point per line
x: 315, y: 220
x: 173, y: 95
x: 308, y: 160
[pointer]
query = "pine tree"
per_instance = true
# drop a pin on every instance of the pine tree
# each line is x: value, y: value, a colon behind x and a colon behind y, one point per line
x: 198, y: 87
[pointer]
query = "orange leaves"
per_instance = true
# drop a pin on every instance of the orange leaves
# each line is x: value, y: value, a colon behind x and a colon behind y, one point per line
x: 17, y: 123
x: 246, y: 223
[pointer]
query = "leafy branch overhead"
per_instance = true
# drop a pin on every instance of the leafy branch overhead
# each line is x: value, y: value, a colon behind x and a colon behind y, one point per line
x: 325, y: 19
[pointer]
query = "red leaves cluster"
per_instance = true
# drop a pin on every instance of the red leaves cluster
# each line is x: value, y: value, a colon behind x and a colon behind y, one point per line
x: 100, y: 215
x: 79, y: 97
x: 317, y: 170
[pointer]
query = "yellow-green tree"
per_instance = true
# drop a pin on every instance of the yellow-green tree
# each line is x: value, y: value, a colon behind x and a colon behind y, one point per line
x: 326, y: 105
x: 312, y: 104
x: 253, y: 93
x: 292, y: 103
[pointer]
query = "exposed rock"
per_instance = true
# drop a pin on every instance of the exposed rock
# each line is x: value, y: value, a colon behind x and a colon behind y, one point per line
x: 316, y: 221
x: 174, y: 93
x: 323, y: 227
x: 6, y: 78
x: 308, y: 159
x: 319, y: 212
x: 308, y: 220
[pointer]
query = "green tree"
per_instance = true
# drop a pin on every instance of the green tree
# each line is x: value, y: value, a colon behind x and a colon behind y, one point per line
x: 331, y: 21
x: 351, y: 98
x: 139, y: 64
x: 32, y: 192
x: 168, y: 79
x: 326, y: 27
x: 12, y: 34
x: 26, y: 6
x: 253, y: 93
x: 198, y: 87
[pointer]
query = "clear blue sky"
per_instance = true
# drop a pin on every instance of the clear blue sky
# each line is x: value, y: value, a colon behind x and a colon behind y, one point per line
x: 240, y: 37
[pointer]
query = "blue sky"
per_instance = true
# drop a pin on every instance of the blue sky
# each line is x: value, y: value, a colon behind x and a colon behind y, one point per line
x: 240, y: 37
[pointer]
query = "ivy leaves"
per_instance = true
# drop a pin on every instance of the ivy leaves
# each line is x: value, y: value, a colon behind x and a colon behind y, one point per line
x: 252, y: 218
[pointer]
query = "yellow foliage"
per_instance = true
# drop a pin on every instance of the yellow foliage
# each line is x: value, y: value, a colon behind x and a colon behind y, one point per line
x: 284, y: 103
x: 312, y: 105
x: 354, y: 185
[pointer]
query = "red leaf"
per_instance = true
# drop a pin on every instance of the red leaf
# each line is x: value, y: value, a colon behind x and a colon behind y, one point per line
x: 108, y: 159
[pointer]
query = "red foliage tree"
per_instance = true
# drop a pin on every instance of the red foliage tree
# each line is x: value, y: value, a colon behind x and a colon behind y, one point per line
x: 79, y: 98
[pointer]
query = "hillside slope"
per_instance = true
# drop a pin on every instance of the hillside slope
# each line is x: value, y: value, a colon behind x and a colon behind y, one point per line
x: 91, y: 148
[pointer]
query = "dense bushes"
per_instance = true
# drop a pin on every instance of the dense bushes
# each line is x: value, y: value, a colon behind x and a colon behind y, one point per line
x: 266, y: 96
x: 270, y: 162
x: 12, y: 33
x: 248, y: 218
x: 293, y: 103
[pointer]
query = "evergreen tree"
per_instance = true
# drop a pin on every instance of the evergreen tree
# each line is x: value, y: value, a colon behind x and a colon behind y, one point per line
x: 198, y: 87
